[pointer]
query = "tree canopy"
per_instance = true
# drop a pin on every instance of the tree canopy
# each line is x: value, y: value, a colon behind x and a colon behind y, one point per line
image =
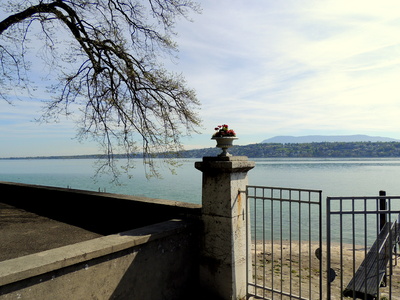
x: 106, y: 54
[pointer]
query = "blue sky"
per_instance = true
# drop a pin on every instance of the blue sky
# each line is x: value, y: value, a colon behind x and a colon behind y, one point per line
x: 265, y: 68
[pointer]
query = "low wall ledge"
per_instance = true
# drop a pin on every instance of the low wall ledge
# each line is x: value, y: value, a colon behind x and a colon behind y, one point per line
x: 39, y: 263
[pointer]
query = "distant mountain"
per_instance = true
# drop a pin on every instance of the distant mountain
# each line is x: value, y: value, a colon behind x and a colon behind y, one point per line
x: 327, y: 138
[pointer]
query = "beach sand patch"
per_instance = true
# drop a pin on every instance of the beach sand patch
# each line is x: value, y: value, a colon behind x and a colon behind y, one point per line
x: 293, y: 268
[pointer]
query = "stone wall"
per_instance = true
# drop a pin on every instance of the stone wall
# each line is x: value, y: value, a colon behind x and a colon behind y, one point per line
x: 204, y: 252
x: 149, y: 248
x: 102, y: 213
x: 155, y: 262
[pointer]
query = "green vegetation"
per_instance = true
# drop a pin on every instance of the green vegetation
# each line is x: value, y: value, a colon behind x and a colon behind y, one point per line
x: 325, y: 149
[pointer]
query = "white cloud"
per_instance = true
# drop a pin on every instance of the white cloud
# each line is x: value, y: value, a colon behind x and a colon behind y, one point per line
x: 293, y: 67
x: 271, y: 67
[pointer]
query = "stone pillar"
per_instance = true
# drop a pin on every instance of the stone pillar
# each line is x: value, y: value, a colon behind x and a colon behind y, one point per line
x: 224, y: 213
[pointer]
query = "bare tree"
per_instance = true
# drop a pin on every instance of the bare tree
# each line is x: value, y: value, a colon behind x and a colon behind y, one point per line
x: 106, y: 54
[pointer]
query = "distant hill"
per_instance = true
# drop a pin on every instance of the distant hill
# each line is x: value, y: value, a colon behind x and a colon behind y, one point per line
x: 270, y: 150
x: 328, y: 138
x: 323, y: 149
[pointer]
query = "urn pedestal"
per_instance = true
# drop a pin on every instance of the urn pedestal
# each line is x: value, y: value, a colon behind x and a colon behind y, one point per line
x: 224, y: 142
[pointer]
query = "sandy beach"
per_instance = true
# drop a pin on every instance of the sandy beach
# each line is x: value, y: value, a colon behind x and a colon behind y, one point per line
x: 289, y: 267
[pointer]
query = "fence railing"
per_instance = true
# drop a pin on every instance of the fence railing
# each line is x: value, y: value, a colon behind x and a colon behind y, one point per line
x: 362, y: 240
x: 286, y: 243
x: 286, y: 251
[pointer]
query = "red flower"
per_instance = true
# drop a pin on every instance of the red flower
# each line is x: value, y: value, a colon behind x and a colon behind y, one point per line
x: 222, y: 130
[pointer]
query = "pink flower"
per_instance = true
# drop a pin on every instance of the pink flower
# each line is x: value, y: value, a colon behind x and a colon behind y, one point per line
x: 222, y: 130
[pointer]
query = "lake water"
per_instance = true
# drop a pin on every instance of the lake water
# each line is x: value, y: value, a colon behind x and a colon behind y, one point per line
x: 335, y: 177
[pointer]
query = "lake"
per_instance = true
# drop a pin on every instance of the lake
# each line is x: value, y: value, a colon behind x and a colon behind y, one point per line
x: 335, y: 177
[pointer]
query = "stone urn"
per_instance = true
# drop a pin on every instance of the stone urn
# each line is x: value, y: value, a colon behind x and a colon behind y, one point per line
x: 224, y: 142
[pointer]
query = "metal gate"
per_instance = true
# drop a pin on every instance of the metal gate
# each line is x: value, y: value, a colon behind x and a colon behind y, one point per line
x: 284, y: 250
x: 362, y: 240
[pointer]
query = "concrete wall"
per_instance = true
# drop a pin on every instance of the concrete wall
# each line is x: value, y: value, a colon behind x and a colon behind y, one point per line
x: 167, y: 260
x: 157, y: 260
x: 102, y: 213
x: 154, y: 262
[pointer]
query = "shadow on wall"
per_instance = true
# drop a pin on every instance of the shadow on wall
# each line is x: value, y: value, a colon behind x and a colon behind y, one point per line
x: 171, y: 270
x: 100, y: 213
x: 157, y: 262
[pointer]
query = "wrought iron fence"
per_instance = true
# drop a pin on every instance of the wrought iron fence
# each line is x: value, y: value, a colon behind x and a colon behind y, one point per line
x: 286, y: 243
x: 362, y: 240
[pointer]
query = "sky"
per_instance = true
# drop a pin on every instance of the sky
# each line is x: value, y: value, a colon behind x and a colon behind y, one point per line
x: 265, y: 68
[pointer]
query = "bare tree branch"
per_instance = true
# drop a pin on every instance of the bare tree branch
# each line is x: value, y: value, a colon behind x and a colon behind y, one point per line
x: 125, y: 94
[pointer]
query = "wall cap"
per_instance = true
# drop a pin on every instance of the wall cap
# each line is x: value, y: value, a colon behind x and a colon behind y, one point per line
x: 227, y: 164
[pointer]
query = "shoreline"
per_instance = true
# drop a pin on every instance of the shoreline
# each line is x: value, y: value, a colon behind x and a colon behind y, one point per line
x: 293, y: 269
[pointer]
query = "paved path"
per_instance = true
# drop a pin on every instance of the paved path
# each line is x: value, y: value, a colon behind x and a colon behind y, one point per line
x: 23, y: 233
